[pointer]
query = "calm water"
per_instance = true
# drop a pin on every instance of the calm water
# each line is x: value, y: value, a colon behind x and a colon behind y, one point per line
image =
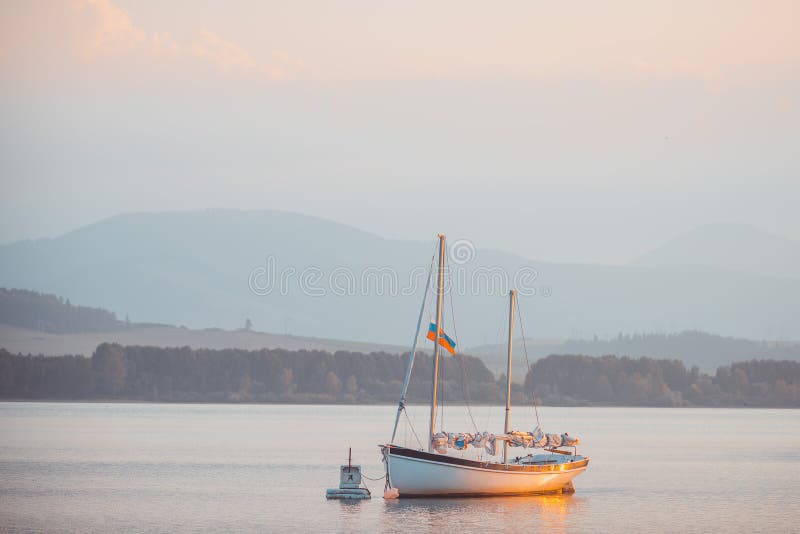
x: 156, y: 467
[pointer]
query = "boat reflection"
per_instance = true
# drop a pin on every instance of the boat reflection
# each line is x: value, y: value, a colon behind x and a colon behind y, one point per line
x: 507, y: 513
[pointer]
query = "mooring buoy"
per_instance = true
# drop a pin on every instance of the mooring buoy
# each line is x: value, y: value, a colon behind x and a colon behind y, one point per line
x: 349, y: 482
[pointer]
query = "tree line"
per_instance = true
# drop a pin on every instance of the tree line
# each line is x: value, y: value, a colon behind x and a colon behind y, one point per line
x: 182, y: 374
x: 611, y: 380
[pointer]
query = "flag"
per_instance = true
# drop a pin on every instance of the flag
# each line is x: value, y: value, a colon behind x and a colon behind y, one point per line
x: 444, y: 339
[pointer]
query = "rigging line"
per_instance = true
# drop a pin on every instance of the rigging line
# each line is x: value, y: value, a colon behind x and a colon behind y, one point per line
x: 495, y: 368
x: 462, y: 367
x: 411, y: 426
x: 528, y: 363
x: 465, y: 389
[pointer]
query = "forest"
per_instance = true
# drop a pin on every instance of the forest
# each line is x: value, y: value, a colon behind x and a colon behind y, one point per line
x: 183, y: 374
x: 610, y: 380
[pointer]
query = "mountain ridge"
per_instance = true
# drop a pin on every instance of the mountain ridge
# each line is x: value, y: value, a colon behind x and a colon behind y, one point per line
x: 733, y: 246
x: 196, y: 268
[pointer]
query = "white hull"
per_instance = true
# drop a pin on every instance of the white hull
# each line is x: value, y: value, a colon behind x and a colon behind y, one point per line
x: 421, y: 476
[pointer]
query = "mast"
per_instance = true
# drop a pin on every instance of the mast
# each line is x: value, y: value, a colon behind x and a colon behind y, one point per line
x: 435, y: 380
x: 512, y: 297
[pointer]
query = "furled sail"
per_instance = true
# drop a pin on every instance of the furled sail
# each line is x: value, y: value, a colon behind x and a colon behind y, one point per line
x: 536, y: 439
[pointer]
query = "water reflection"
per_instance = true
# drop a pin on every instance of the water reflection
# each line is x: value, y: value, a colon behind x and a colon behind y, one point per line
x: 516, y: 512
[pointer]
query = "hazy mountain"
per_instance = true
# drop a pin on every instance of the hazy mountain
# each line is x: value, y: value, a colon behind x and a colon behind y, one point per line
x: 729, y: 246
x: 197, y: 269
x: 707, y: 351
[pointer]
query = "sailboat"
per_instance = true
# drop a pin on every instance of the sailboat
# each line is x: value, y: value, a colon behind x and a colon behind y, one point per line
x: 421, y: 472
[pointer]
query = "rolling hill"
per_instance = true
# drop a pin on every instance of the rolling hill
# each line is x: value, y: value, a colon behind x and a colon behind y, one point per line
x: 24, y: 341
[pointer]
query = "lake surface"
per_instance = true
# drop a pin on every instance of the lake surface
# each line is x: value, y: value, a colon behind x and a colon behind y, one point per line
x: 168, y: 467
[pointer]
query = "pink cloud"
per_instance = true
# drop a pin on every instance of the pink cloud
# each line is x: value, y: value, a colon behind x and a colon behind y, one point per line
x: 97, y: 40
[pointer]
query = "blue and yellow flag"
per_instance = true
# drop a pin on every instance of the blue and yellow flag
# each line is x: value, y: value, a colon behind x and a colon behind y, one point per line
x: 444, y: 339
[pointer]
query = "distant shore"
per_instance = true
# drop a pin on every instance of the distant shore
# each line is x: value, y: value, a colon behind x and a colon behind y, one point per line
x: 475, y: 404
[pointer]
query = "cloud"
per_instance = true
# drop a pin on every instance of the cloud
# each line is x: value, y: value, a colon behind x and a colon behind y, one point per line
x: 222, y: 53
x: 97, y: 41
x: 112, y: 29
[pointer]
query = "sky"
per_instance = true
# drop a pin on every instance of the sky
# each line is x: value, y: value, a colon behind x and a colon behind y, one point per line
x: 582, y: 131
